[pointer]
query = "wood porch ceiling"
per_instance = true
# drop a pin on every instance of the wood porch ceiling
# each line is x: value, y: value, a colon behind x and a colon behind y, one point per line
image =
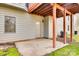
x: 45, y: 9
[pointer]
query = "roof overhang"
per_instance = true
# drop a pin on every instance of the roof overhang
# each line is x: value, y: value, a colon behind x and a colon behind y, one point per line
x: 12, y: 6
x: 45, y: 9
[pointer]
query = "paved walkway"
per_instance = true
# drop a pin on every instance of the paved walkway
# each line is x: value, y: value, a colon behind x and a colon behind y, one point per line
x: 37, y: 47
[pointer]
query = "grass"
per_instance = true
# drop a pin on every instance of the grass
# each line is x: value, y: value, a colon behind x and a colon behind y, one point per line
x: 69, y: 50
x: 10, y: 52
x: 75, y: 37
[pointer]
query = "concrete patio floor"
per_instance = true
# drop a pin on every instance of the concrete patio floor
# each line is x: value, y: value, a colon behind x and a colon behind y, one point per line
x: 37, y: 47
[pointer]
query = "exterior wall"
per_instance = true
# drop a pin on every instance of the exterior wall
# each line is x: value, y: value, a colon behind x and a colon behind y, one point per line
x: 76, y: 22
x: 30, y: 26
x: 26, y: 25
x: 20, y: 5
x: 50, y: 27
x: 59, y: 26
x: 46, y: 27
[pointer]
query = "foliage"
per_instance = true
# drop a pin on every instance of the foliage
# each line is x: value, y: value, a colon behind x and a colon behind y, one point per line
x: 10, y: 52
x: 69, y: 50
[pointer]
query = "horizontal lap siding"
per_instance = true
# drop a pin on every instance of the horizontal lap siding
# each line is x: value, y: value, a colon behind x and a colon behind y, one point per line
x: 25, y: 25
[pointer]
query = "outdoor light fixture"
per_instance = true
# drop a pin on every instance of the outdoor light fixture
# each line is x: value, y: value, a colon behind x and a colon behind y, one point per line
x: 37, y: 23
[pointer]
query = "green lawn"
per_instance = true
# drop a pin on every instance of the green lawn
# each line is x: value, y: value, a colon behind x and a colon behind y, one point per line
x: 69, y: 50
x: 75, y: 37
x: 9, y: 52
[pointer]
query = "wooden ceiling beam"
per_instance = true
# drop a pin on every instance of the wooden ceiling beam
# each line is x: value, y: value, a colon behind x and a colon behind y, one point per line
x: 62, y: 9
x: 40, y: 8
x: 35, y: 7
x: 31, y: 6
x: 49, y: 12
x: 44, y: 9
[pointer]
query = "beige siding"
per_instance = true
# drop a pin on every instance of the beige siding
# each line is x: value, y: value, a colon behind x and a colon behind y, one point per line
x: 59, y: 26
x: 25, y: 25
x: 76, y: 22
x: 20, y: 5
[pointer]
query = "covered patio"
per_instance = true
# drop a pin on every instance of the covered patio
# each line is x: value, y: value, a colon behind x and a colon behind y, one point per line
x: 37, y: 47
x: 55, y: 10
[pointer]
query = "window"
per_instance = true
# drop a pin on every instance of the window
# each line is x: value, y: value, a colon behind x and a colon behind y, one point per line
x: 68, y: 27
x: 10, y: 24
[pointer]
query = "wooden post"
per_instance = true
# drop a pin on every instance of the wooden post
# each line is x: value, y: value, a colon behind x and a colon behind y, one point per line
x: 64, y: 26
x: 71, y: 28
x: 54, y: 26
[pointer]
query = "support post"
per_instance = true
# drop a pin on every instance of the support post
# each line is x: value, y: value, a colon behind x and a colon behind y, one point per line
x: 64, y: 25
x: 54, y: 26
x: 71, y: 28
